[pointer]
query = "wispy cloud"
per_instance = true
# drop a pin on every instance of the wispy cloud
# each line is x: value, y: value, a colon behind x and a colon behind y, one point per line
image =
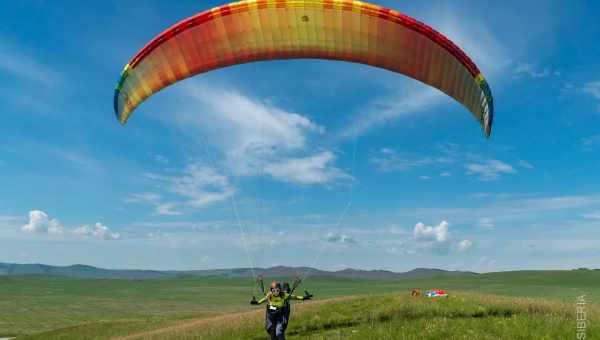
x: 197, y: 186
x: 532, y: 71
x: 179, y: 225
x: 315, y: 169
x: 78, y: 159
x: 592, y: 215
x: 487, y: 50
x: 556, y: 203
x: 167, y: 209
x: 34, y: 83
x: 258, y: 138
x: 485, y: 263
x: 592, y: 88
x: 338, y: 238
x: 490, y: 170
x: 589, y: 89
x: 145, y: 197
x: 592, y: 140
x: 8, y: 219
x: 486, y: 223
x: 415, y: 100
x: 153, y: 199
x: 388, y: 160
x: 525, y: 164
x: 22, y: 65
x: 505, y: 207
x: 160, y: 159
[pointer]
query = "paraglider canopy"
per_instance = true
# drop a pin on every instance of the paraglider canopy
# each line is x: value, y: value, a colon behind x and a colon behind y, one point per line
x: 346, y: 30
x: 436, y: 293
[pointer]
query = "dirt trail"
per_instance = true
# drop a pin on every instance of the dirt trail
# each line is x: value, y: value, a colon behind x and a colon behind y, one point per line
x: 229, y: 319
x: 193, y: 324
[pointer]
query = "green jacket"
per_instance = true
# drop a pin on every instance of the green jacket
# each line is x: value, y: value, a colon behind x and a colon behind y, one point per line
x: 279, y: 301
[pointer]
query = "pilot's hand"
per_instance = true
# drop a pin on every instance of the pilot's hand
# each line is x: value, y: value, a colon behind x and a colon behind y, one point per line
x: 307, y: 295
x: 253, y: 301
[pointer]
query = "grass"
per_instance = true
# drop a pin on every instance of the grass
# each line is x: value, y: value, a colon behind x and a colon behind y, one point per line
x: 64, y: 308
x: 387, y: 316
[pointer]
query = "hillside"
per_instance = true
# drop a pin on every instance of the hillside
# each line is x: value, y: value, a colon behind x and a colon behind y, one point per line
x: 84, y: 271
x: 387, y: 316
x: 35, y: 303
x: 80, y: 271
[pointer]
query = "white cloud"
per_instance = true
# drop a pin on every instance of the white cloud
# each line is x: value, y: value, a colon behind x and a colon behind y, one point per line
x: 490, y: 170
x: 316, y: 169
x: 445, y: 174
x: 247, y: 128
x: 438, y: 233
x: 592, y: 88
x: 464, y: 245
x: 436, y: 239
x: 339, y: 238
x: 40, y: 223
x: 425, y: 178
x: 99, y: 231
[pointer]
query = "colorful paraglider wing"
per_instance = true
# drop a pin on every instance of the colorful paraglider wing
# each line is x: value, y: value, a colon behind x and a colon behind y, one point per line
x: 435, y: 293
x: 345, y: 30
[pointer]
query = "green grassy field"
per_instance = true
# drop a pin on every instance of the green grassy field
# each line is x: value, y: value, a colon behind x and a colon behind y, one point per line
x: 63, y: 308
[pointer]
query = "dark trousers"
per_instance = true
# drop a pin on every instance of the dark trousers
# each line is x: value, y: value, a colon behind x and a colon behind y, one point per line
x: 286, y: 314
x: 276, y: 323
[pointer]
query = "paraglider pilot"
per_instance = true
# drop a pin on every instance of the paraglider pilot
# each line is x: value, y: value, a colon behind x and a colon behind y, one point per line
x: 276, y: 315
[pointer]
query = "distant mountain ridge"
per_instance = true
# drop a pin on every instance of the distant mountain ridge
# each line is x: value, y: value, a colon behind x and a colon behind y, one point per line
x: 85, y: 271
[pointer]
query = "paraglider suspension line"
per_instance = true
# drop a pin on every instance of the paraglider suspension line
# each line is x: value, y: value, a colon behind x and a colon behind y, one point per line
x: 342, y: 214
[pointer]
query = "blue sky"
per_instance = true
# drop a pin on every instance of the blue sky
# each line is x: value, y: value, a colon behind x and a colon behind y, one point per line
x: 315, y: 162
